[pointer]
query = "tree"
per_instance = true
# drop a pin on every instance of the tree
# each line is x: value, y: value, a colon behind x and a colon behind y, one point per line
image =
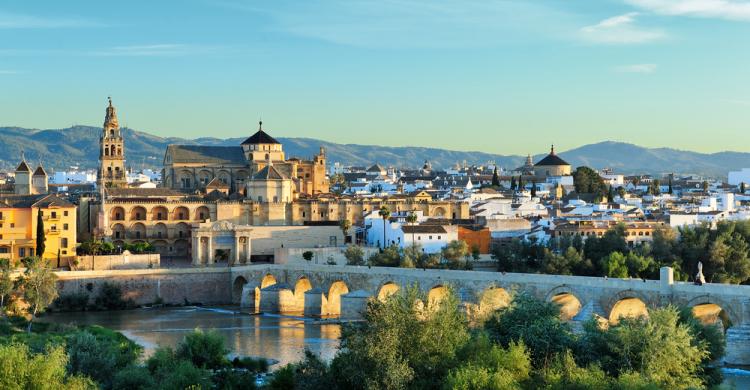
x: 656, y: 187
x: 613, y: 265
x: 411, y: 219
x: 355, y: 255
x: 742, y: 188
x: 39, y: 285
x: 704, y: 186
x: 533, y: 188
x: 401, y: 344
x: 384, y: 213
x: 513, y: 183
x: 610, y: 195
x: 521, y: 184
x: 536, y: 324
x: 98, y: 359
x: 345, y: 225
x: 203, y: 349
x: 495, y: 178
x: 454, y: 252
x: 25, y: 370
x: 6, y: 284
x: 40, y: 238
x: 484, y: 365
x: 588, y: 181
x: 669, y: 189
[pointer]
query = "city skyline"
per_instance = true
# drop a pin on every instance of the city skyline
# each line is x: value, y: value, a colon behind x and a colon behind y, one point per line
x: 400, y: 73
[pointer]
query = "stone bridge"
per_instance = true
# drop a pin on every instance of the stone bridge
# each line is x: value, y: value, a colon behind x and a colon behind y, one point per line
x: 324, y: 290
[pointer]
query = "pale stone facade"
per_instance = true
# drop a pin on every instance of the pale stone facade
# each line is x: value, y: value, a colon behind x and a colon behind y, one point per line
x: 111, y: 152
x: 209, y: 239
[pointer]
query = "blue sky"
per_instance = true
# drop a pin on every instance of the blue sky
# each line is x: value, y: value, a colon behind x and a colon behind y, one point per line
x: 496, y: 76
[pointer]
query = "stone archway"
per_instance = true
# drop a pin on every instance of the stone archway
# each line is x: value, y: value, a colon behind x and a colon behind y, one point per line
x: 386, y: 290
x: 627, y: 307
x: 237, y: 288
x: 436, y: 295
x: 337, y: 289
x: 300, y: 288
x: 491, y: 299
x: 712, y: 310
x: 568, y: 300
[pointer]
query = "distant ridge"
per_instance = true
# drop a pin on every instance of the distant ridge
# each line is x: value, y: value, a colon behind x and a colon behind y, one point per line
x: 78, y: 145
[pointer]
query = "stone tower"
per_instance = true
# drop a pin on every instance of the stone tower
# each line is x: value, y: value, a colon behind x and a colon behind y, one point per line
x: 111, y: 152
x: 40, y: 181
x: 23, y: 179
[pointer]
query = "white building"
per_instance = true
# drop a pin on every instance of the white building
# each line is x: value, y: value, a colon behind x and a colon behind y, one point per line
x: 737, y: 177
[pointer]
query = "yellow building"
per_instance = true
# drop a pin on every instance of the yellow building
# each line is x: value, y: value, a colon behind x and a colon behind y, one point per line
x: 18, y: 226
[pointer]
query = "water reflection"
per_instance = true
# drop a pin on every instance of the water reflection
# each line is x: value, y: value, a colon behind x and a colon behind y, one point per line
x: 276, y: 337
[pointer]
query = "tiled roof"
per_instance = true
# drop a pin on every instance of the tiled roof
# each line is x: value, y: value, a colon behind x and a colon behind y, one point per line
x: 260, y: 137
x: 142, y: 192
x: 216, y: 183
x: 230, y: 155
x: 269, y: 172
x: 23, y: 167
x: 551, y: 160
x: 25, y: 201
x: 40, y: 171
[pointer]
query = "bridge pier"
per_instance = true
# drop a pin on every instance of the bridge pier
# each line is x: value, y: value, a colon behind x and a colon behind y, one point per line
x: 354, y: 304
x: 247, y: 299
x: 277, y: 298
x: 315, y: 301
x: 738, y: 345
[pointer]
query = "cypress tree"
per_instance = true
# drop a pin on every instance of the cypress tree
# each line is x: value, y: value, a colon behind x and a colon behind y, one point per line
x: 513, y: 183
x: 495, y: 178
x: 610, y: 195
x: 742, y: 187
x: 520, y: 183
x: 533, y: 188
x: 40, y: 234
x: 669, y: 191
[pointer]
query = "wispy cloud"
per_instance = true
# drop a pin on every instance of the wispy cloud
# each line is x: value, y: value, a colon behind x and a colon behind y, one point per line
x: 720, y: 9
x: 20, y: 21
x: 620, y: 29
x: 416, y: 23
x: 637, y: 68
x: 153, y: 50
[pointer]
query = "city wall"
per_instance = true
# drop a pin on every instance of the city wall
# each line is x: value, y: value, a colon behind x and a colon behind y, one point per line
x: 115, y: 262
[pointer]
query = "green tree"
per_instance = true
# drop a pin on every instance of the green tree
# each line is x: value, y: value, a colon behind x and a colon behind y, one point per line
x: 133, y: 377
x: 39, y: 286
x: 484, y: 365
x: 659, y: 348
x: 308, y: 255
x: 411, y: 219
x: 7, y: 286
x: 355, y: 255
x: 401, y: 344
x: 23, y: 370
x: 728, y: 255
x: 388, y: 257
x: 588, y: 181
x: 521, y: 184
x: 495, y: 178
x: 613, y: 265
x: 704, y: 186
x: 513, y: 183
x: 203, y: 349
x: 40, y: 234
x: 536, y: 324
x: 742, y: 188
x: 454, y: 252
x: 610, y: 195
x: 670, y: 191
x: 100, y: 358
x: 533, y: 188
x: 345, y: 225
x: 384, y: 213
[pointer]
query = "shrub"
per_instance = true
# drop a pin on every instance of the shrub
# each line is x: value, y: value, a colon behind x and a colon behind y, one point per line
x: 22, y: 369
x: 203, y: 349
x: 355, y: 255
x: 77, y: 301
x: 307, y: 255
x: 92, y: 358
x: 133, y: 378
x: 110, y: 298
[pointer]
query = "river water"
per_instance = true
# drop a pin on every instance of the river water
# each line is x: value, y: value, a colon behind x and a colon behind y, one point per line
x: 281, y: 338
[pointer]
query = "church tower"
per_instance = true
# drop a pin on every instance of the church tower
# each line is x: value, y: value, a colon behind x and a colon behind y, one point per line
x: 111, y: 152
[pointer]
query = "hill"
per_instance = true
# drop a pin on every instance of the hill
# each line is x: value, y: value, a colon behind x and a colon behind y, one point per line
x: 78, y: 146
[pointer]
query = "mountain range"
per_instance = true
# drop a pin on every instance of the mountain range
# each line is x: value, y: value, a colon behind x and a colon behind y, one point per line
x: 60, y: 149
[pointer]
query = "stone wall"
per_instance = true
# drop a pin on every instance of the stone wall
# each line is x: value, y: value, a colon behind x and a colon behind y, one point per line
x: 320, y: 255
x: 264, y: 239
x: 173, y: 286
x: 116, y: 262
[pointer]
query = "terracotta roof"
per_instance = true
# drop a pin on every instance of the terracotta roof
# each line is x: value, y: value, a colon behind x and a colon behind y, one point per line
x: 206, y: 154
x: 25, y: 201
x: 216, y: 183
x: 142, y: 192
x: 260, y: 137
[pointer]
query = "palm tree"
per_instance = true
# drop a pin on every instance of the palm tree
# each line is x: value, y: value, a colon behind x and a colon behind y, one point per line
x: 412, y: 219
x: 345, y: 225
x: 384, y: 213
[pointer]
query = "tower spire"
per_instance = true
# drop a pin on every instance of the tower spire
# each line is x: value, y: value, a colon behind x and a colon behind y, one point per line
x: 552, y: 150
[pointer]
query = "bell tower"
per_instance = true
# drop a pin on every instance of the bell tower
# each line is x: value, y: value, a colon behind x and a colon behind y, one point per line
x: 111, y: 152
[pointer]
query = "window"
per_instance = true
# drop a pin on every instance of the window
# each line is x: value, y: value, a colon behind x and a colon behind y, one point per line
x: 158, y: 234
x: 53, y: 228
x: 438, y: 237
x: 430, y: 237
x: 12, y: 225
x: 64, y: 242
x: 21, y: 252
x: 137, y: 234
x: 275, y: 199
x: 65, y: 226
x: 159, y: 216
x: 117, y: 235
x: 3, y: 250
x: 1, y: 215
x: 185, y: 182
x: 179, y: 234
x: 260, y: 198
x: 65, y: 213
x: 54, y: 214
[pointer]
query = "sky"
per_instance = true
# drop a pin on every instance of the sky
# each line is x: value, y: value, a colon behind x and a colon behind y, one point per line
x: 508, y: 77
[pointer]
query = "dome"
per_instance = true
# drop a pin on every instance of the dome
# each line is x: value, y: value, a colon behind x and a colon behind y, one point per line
x: 551, y: 160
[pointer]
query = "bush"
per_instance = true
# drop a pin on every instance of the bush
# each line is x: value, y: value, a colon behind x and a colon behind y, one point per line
x: 355, y: 255
x: 203, y: 349
x: 133, y: 378
x: 308, y: 255
x: 77, y: 301
x: 230, y: 379
x: 110, y: 298
x: 100, y: 353
x: 251, y: 364
x: 283, y: 378
x: 185, y: 375
x: 22, y: 369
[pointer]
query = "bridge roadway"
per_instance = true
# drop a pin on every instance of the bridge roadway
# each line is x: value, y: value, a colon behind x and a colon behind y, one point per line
x: 325, y: 290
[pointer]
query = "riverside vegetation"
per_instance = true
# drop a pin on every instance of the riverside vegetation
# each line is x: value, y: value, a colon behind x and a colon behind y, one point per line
x: 406, y: 344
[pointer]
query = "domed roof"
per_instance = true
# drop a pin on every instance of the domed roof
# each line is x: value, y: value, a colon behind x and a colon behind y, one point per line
x: 551, y: 160
x: 260, y: 137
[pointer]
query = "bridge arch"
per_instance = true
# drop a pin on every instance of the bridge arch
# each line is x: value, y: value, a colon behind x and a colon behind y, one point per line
x: 237, y: 286
x: 267, y: 280
x: 386, y: 290
x: 436, y: 295
x: 568, y: 299
x: 628, y: 303
x: 335, y: 291
x: 711, y: 309
x: 493, y: 298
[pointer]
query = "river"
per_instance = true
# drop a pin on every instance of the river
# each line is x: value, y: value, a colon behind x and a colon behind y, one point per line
x: 281, y: 338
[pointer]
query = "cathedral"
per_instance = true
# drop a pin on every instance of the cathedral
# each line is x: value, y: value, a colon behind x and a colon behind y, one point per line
x: 256, y: 169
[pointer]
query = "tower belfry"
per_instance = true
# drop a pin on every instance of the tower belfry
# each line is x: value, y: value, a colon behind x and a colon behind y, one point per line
x: 111, y: 152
